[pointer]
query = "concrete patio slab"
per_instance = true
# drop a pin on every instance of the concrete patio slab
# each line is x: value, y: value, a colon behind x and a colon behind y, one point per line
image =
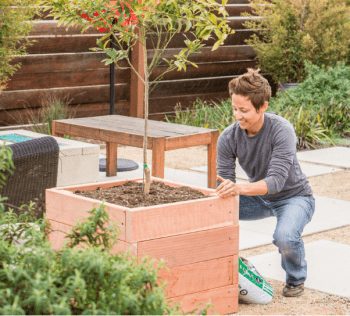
x: 240, y: 174
x: 327, y: 268
x: 309, y: 169
x: 321, y: 221
x: 251, y: 239
x: 334, y: 156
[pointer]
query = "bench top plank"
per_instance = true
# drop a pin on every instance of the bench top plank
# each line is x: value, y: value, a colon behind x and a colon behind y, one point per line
x: 132, y: 126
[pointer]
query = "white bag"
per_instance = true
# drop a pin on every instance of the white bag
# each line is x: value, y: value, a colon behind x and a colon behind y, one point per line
x: 253, y: 288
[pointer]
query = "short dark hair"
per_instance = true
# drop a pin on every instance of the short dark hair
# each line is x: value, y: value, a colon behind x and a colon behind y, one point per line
x: 252, y: 85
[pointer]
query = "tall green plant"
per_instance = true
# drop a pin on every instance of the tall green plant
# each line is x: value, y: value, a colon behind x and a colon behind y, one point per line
x: 291, y: 32
x: 52, y: 108
x: 308, y: 127
x: 14, y: 27
x: 151, y: 22
x: 204, y: 114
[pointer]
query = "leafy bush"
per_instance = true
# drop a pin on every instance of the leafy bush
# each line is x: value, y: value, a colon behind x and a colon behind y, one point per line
x: 292, y: 32
x: 324, y: 101
x: 318, y: 108
x: 14, y: 27
x: 6, y: 168
x: 6, y: 164
x: 36, y: 280
x: 204, y: 114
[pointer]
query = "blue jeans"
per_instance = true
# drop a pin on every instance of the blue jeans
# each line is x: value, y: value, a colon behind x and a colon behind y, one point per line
x: 292, y: 215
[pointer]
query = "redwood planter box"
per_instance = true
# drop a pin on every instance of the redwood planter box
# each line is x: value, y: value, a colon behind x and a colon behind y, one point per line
x: 197, y: 239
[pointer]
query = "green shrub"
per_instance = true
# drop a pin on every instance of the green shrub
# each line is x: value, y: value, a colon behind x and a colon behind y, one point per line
x: 292, y: 32
x: 6, y: 164
x: 324, y: 95
x: 14, y: 27
x: 318, y: 108
x: 204, y: 114
x: 36, y: 280
x: 6, y: 168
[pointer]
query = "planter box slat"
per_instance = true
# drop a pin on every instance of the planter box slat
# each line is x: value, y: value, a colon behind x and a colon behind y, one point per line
x: 69, y: 209
x: 223, y: 300
x: 205, y: 275
x: 193, y: 247
x: 58, y: 233
x: 173, y: 219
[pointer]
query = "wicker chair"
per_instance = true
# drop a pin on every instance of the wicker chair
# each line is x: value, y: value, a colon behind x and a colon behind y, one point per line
x: 36, y: 164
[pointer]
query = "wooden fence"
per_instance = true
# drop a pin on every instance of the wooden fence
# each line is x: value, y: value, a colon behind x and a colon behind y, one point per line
x: 60, y: 65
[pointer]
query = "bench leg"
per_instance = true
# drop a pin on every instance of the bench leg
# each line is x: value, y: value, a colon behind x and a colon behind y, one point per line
x: 212, y: 160
x: 158, y: 157
x: 111, y: 159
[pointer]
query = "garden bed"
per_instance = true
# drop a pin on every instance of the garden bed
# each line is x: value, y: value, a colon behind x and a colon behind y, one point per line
x: 197, y: 239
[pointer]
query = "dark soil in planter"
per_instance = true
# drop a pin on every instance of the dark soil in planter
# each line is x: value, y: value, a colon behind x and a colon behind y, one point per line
x: 130, y: 194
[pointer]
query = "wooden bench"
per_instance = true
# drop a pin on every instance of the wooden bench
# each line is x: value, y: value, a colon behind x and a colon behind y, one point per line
x: 129, y: 131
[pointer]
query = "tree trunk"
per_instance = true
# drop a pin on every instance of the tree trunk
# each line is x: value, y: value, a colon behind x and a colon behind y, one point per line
x: 146, y: 170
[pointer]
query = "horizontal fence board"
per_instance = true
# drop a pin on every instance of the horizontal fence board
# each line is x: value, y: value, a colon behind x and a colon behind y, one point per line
x: 238, y: 38
x: 223, y: 53
x: 200, y: 85
x: 48, y: 80
x: 168, y: 103
x: 74, y: 43
x: 51, y: 27
x: 238, y: 1
x: 62, y: 44
x: 30, y: 115
x: 45, y: 63
x: 237, y: 22
x: 236, y: 9
x: 18, y: 99
x: 212, y: 69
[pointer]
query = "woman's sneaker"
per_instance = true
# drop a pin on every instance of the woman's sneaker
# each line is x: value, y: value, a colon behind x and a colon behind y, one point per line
x: 293, y: 290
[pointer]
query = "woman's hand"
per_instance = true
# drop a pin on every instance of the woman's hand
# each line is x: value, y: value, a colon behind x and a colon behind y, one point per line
x: 227, y: 188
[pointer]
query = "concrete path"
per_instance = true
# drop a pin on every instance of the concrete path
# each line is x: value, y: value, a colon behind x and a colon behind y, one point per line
x: 329, y: 214
x: 334, y: 156
x: 328, y: 266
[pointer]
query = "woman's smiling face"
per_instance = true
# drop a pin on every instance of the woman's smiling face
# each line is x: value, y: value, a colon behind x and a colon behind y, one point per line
x: 245, y: 113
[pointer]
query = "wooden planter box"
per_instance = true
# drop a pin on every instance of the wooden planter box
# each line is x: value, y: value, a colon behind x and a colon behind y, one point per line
x: 197, y: 239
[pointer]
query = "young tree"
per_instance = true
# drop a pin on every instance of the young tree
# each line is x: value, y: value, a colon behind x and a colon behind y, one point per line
x: 151, y: 22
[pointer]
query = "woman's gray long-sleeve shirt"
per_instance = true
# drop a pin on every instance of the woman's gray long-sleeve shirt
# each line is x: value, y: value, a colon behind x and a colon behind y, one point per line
x: 269, y: 155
